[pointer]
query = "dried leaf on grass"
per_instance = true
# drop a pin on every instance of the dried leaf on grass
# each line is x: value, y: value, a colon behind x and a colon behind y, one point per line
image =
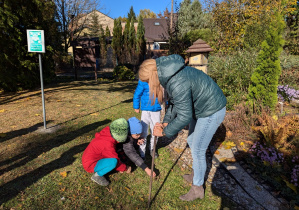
x: 2, y: 110
x: 178, y: 150
x: 63, y: 174
x: 229, y: 134
x: 94, y: 114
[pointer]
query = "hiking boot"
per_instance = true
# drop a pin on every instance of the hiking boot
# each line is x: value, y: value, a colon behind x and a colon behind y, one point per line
x: 194, y: 193
x: 101, y: 180
x: 189, y: 177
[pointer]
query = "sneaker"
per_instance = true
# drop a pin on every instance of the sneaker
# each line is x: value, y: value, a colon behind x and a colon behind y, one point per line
x: 99, y: 180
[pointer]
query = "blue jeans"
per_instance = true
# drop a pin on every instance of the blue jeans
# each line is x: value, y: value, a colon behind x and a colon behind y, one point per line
x: 201, y: 132
x: 105, y: 165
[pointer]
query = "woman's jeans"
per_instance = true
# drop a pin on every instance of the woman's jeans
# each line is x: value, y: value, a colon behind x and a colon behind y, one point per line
x: 201, y: 132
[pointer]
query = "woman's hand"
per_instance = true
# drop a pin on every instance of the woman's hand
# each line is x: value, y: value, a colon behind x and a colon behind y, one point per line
x: 137, y: 110
x: 148, y: 171
x: 158, y: 130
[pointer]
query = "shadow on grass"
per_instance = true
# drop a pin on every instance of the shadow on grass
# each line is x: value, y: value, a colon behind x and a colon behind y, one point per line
x: 11, y: 189
x: 33, y: 128
x: 166, y: 177
x: 124, y: 87
x: 23, y: 131
x: 52, y: 88
x: 33, y: 151
x: 125, y: 101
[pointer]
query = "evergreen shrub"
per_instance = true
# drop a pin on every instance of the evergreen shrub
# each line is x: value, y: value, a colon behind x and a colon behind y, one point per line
x: 123, y: 73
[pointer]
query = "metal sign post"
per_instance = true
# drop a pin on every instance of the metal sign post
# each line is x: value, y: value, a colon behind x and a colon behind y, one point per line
x: 36, y: 43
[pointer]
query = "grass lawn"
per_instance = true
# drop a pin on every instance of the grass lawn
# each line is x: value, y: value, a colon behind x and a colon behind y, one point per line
x: 42, y: 169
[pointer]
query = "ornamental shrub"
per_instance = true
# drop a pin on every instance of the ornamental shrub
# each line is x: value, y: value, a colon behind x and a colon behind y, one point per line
x: 122, y: 73
x: 264, y: 80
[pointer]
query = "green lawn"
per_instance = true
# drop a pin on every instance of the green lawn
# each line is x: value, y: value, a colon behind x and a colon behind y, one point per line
x: 43, y: 170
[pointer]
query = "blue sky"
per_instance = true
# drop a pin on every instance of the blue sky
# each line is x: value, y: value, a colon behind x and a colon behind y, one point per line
x: 116, y: 8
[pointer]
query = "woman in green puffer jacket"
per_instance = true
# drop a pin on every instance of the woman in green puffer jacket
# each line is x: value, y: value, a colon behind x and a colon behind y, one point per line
x: 195, y: 99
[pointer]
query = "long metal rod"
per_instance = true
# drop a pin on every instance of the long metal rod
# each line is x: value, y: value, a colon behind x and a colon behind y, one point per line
x: 42, y: 89
x: 152, y: 169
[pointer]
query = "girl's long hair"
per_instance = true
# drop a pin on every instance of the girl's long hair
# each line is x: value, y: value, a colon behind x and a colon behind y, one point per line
x: 148, y: 73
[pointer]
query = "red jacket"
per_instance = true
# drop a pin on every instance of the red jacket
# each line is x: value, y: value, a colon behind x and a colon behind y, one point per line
x: 102, y: 146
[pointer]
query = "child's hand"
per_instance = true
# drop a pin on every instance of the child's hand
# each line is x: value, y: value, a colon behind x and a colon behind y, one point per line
x: 148, y: 171
x: 140, y: 141
x: 137, y: 110
x: 129, y: 169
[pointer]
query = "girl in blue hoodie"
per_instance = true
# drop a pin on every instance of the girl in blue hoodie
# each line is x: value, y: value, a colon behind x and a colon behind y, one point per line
x: 150, y: 112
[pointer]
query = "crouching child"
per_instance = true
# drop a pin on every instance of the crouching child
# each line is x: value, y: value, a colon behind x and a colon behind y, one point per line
x: 100, y: 156
x: 132, y: 144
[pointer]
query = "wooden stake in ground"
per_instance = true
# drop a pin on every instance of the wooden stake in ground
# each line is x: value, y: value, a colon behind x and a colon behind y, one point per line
x: 152, y: 169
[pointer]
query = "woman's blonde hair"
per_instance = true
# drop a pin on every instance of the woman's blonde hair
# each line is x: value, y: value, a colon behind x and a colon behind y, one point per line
x: 148, y: 73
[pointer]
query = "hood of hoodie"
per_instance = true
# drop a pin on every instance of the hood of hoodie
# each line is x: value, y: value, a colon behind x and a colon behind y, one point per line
x: 105, y: 135
x: 167, y: 66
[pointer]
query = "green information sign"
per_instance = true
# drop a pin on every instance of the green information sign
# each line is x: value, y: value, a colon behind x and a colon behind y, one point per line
x: 35, y: 41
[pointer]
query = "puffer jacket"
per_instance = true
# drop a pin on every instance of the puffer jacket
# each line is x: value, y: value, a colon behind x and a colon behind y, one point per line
x: 142, y: 100
x: 192, y: 93
x: 130, y: 148
x: 102, y: 146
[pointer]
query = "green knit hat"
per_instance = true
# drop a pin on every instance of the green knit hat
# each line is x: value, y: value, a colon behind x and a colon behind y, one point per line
x: 119, y: 129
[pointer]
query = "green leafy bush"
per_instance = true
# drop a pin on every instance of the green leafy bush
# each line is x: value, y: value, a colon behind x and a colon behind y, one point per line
x: 123, y: 73
x: 232, y: 74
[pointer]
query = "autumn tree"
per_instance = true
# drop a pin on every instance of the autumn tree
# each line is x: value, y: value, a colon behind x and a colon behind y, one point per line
x: 264, y: 80
x: 72, y: 19
x: 166, y: 14
x: 146, y: 13
x: 242, y: 24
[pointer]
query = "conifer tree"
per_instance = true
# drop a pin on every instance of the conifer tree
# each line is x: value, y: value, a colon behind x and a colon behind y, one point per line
x: 184, y: 17
x: 140, y: 40
x: 132, y: 37
x: 196, y: 15
x: 94, y: 27
x: 117, y: 40
x: 131, y: 15
x: 265, y: 77
x: 103, y: 46
x: 107, y: 32
x: 126, y: 37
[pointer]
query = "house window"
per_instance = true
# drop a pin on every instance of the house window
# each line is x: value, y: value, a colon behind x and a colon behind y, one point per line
x: 157, y: 23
